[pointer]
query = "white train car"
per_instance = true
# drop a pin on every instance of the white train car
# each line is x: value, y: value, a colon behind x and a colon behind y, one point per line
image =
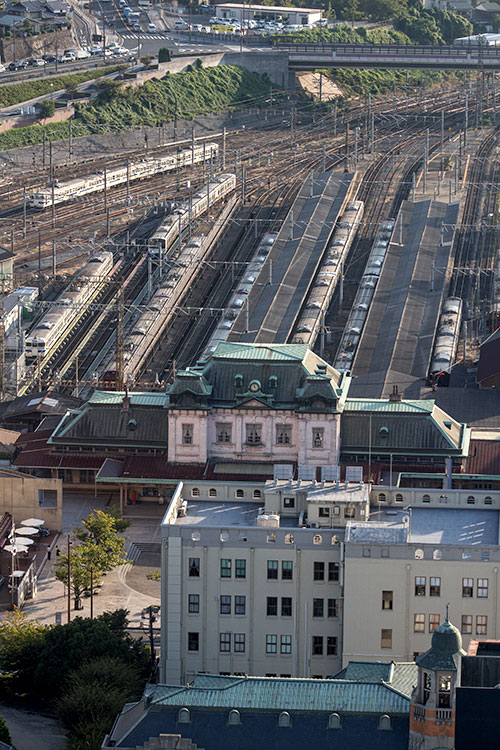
x: 363, y: 299
x: 321, y: 292
x: 82, y: 186
x: 165, y: 236
x: 446, y: 341
x: 240, y: 294
x: 56, y: 324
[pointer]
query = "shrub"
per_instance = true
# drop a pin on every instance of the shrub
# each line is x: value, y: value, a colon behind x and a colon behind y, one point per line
x: 164, y: 55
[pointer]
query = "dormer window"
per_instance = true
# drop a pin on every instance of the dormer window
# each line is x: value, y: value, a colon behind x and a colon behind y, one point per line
x: 238, y: 381
x: 384, y: 432
x: 273, y: 381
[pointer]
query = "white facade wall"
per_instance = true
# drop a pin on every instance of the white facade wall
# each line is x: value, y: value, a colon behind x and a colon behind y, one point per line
x: 367, y: 574
x: 436, y: 498
x: 254, y: 545
x: 204, y: 444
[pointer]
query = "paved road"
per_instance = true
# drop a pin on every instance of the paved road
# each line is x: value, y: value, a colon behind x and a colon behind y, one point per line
x: 32, y: 731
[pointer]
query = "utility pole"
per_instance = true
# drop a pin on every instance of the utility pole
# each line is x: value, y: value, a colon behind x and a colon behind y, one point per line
x: 2, y: 339
x: 224, y: 149
x: 119, y: 339
x: 128, y: 180
x: 39, y: 265
x: 43, y: 148
x: 466, y: 118
x: 70, y: 139
x: 105, y: 189
x: 54, y: 264
x: 53, y: 207
x: 24, y: 212
x: 69, y: 578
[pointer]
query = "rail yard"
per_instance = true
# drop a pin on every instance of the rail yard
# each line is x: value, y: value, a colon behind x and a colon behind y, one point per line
x: 366, y: 231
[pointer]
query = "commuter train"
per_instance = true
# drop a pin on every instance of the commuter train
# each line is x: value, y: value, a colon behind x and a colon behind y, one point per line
x: 165, y: 235
x: 82, y: 186
x: 240, y: 294
x: 330, y: 270
x: 446, y: 342
x: 361, y: 306
x: 57, y: 323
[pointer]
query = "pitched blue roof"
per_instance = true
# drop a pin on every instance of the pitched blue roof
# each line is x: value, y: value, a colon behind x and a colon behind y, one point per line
x: 275, y: 694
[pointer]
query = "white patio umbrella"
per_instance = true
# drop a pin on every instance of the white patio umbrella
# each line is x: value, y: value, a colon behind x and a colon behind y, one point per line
x: 27, y: 530
x: 23, y: 541
x: 17, y: 574
x: 33, y: 522
x: 15, y: 549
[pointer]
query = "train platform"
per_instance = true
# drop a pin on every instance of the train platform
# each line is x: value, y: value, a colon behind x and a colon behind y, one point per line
x: 396, y: 344
x: 277, y: 296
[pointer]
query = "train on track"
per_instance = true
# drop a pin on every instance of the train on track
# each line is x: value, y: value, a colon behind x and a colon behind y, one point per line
x: 71, y: 304
x: 82, y: 186
x: 446, y: 342
x: 165, y: 236
x: 321, y: 292
x: 361, y: 306
x: 240, y: 294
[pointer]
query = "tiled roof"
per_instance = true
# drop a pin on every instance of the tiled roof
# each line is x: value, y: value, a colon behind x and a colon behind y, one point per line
x: 272, y: 694
x: 484, y: 457
x: 402, y: 676
x: 261, y: 352
x: 102, y: 424
x: 384, y: 405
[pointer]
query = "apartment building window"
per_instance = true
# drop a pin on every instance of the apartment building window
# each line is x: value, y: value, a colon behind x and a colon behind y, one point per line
x: 317, y: 645
x: 435, y: 587
x: 318, y: 435
x: 272, y: 606
x: 283, y: 434
x: 433, y: 622
x: 419, y: 622
x: 271, y: 644
x: 286, y: 606
x: 318, y: 608
x: 467, y: 587
x: 224, y: 642
x: 466, y: 628
x: 194, y: 604
x: 194, y: 567
x: 272, y: 570
x: 420, y: 585
x: 319, y: 571
x: 481, y: 625
x: 286, y: 570
x: 331, y: 645
x: 253, y: 434
x: 225, y: 568
x: 240, y: 569
x: 385, y: 638
x: 289, y: 502
x: 387, y: 597
x: 223, y: 432
x: 482, y: 588
x: 225, y: 605
x: 333, y: 607
x: 187, y: 434
x: 286, y: 644
x: 193, y: 641
x: 333, y: 571
x: 239, y: 643
x: 240, y: 605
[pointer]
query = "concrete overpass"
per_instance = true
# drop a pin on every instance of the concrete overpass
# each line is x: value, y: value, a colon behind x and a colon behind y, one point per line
x: 313, y: 56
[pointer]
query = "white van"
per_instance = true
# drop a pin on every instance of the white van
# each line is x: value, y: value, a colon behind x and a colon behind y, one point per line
x: 151, y: 27
x: 180, y: 24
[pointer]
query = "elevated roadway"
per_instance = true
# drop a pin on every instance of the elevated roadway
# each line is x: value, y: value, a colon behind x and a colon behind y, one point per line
x: 449, y: 57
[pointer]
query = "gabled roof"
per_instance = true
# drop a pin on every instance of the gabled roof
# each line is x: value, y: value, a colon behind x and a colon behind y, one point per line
x: 284, y: 694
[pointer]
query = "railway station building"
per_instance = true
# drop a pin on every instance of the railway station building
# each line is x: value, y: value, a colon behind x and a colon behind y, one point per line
x: 243, y: 12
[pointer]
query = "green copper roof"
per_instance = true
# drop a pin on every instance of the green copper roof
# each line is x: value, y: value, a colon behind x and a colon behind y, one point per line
x: 445, y: 649
x: 384, y: 405
x: 137, y: 398
x: 401, y: 676
x: 261, y: 352
x: 275, y: 694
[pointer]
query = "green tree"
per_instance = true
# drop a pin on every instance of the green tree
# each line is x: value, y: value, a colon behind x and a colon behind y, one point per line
x: 164, y: 55
x: 21, y: 641
x: 85, y: 570
x: 71, y: 89
x: 100, y: 537
x: 4, y: 732
x: 46, y: 108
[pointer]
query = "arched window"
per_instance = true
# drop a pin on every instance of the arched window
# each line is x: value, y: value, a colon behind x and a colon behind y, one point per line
x: 273, y: 381
x: 381, y: 497
x: 234, y: 717
x: 384, y: 432
x: 284, y: 719
x: 184, y: 716
x: 195, y: 492
x: 419, y: 554
x: 385, y: 722
x: 488, y: 500
x: 317, y: 539
x: 334, y: 721
x: 257, y: 494
x: 238, y: 381
x: 212, y: 492
x: 437, y: 554
x: 426, y: 498
x: 399, y: 498
x: 240, y: 493
x: 471, y: 500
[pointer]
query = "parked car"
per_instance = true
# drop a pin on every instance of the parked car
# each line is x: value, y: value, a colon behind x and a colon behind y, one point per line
x: 49, y: 58
x: 2, y: 68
